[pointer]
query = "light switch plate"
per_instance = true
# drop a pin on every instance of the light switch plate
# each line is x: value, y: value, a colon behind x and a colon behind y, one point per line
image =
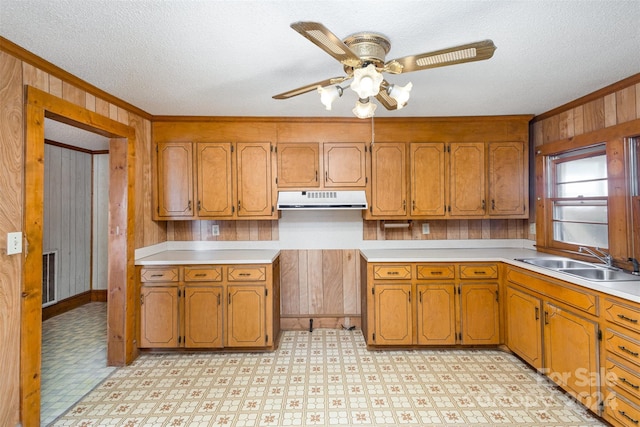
x: 425, y: 228
x: 14, y: 243
x: 215, y: 230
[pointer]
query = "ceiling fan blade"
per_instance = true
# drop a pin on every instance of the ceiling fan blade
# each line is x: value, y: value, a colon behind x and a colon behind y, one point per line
x: 477, y: 51
x: 387, y: 101
x: 320, y: 35
x: 310, y: 87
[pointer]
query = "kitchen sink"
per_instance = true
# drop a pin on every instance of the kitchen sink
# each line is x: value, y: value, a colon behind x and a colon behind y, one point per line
x: 582, y: 269
x: 555, y: 264
x: 597, y: 273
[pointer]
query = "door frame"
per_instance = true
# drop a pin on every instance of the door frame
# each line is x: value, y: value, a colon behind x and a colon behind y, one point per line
x: 120, y: 312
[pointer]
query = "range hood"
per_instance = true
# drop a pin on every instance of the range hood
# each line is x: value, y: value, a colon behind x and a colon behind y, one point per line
x: 321, y: 200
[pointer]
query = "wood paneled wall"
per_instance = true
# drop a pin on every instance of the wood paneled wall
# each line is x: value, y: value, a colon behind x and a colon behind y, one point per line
x: 613, y: 105
x: 99, y: 262
x: 17, y: 69
x: 67, y: 217
x: 608, y: 114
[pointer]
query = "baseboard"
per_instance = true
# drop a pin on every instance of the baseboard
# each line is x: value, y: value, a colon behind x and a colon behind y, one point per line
x: 292, y: 323
x: 66, y: 305
x: 98, y: 295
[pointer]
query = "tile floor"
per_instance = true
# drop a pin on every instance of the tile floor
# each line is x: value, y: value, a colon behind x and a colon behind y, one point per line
x: 327, y: 377
x: 74, y: 358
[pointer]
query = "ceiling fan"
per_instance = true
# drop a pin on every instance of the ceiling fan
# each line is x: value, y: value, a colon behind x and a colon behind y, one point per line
x: 363, y: 58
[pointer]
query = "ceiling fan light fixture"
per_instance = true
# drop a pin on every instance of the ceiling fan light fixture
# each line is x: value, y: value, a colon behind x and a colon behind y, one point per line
x: 329, y: 94
x: 366, y: 81
x: 400, y: 93
x: 364, y: 108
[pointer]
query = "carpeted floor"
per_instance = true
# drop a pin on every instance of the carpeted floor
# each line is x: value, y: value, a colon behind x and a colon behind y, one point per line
x: 327, y: 377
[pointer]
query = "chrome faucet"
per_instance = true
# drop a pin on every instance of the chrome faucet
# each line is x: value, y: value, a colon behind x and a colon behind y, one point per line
x: 604, y: 257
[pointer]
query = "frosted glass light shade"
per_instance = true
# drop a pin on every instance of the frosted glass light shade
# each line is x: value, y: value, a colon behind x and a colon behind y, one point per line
x: 400, y: 94
x: 329, y: 94
x: 364, y: 110
x: 366, y: 81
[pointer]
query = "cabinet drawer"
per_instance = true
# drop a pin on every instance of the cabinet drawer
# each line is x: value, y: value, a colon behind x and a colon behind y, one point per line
x: 623, y: 315
x: 621, y: 377
x: 392, y: 272
x: 203, y: 274
x: 435, y: 272
x: 247, y: 274
x: 620, y: 409
x: 622, y: 346
x: 168, y: 274
x: 478, y: 271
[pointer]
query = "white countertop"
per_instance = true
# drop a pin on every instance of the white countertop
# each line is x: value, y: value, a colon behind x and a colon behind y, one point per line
x: 225, y: 256
x: 628, y: 289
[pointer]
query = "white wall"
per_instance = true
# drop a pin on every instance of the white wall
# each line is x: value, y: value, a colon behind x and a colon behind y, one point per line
x: 100, y: 220
x: 67, y: 217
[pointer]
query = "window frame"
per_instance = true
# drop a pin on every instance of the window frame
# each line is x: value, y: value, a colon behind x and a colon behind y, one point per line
x: 551, y: 161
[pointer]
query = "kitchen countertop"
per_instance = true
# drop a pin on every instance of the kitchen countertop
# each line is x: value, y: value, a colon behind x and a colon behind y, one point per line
x: 225, y: 256
x: 629, y: 290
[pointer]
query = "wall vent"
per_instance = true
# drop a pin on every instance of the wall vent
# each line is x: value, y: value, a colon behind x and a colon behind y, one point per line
x: 49, y: 275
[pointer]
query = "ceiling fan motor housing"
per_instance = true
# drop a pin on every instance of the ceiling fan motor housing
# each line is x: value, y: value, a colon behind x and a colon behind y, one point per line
x: 370, y: 47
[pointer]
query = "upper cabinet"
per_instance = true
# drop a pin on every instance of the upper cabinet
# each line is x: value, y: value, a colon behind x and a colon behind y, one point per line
x: 214, y: 180
x: 388, y: 180
x: 315, y: 165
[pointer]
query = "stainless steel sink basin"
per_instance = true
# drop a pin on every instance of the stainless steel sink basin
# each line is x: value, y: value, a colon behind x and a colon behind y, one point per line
x: 600, y: 274
x: 555, y: 264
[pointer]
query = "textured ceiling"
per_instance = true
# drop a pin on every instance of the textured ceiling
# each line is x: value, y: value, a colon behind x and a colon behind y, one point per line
x: 228, y: 58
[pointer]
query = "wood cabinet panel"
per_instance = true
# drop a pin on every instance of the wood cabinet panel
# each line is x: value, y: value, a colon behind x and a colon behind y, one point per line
x: 393, y: 314
x: 247, y: 274
x: 436, y: 314
x: 203, y: 317
x: 388, y: 180
x: 524, y: 326
x: 159, y: 326
x: 623, y: 315
x: 159, y: 274
x: 508, y: 178
x: 246, y: 316
x: 215, y: 190
x: 254, y: 179
x: 467, y: 179
x: 428, y: 178
x: 298, y: 165
x: 621, y: 411
x: 344, y: 164
x: 435, y: 271
x: 175, y: 179
x: 392, y: 272
x: 478, y: 271
x: 479, y: 313
x: 621, y: 377
x: 571, y: 353
x: 622, y: 346
x: 203, y: 274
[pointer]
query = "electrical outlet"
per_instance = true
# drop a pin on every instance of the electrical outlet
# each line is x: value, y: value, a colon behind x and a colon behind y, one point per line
x: 14, y: 243
x: 532, y: 228
x: 215, y: 230
x: 425, y: 228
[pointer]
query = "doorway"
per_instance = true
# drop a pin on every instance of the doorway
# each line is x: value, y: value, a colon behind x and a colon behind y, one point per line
x: 121, y: 312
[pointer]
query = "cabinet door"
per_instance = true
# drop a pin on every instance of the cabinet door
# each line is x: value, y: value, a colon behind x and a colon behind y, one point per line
x: 427, y: 166
x: 203, y: 316
x: 254, y: 179
x: 436, y: 314
x: 467, y: 179
x: 571, y: 352
x: 246, y: 316
x: 479, y: 313
x: 159, y: 324
x: 298, y: 165
x: 344, y: 165
x: 175, y: 179
x: 388, y: 180
x: 215, y: 191
x: 507, y: 179
x: 393, y: 318
x: 524, y: 326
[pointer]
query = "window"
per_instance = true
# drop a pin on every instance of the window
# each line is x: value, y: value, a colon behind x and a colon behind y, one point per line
x: 578, y: 193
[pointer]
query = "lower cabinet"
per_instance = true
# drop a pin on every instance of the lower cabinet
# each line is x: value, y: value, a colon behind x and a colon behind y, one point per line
x: 554, y: 327
x: 209, y: 306
x: 431, y: 304
x: 621, y: 384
